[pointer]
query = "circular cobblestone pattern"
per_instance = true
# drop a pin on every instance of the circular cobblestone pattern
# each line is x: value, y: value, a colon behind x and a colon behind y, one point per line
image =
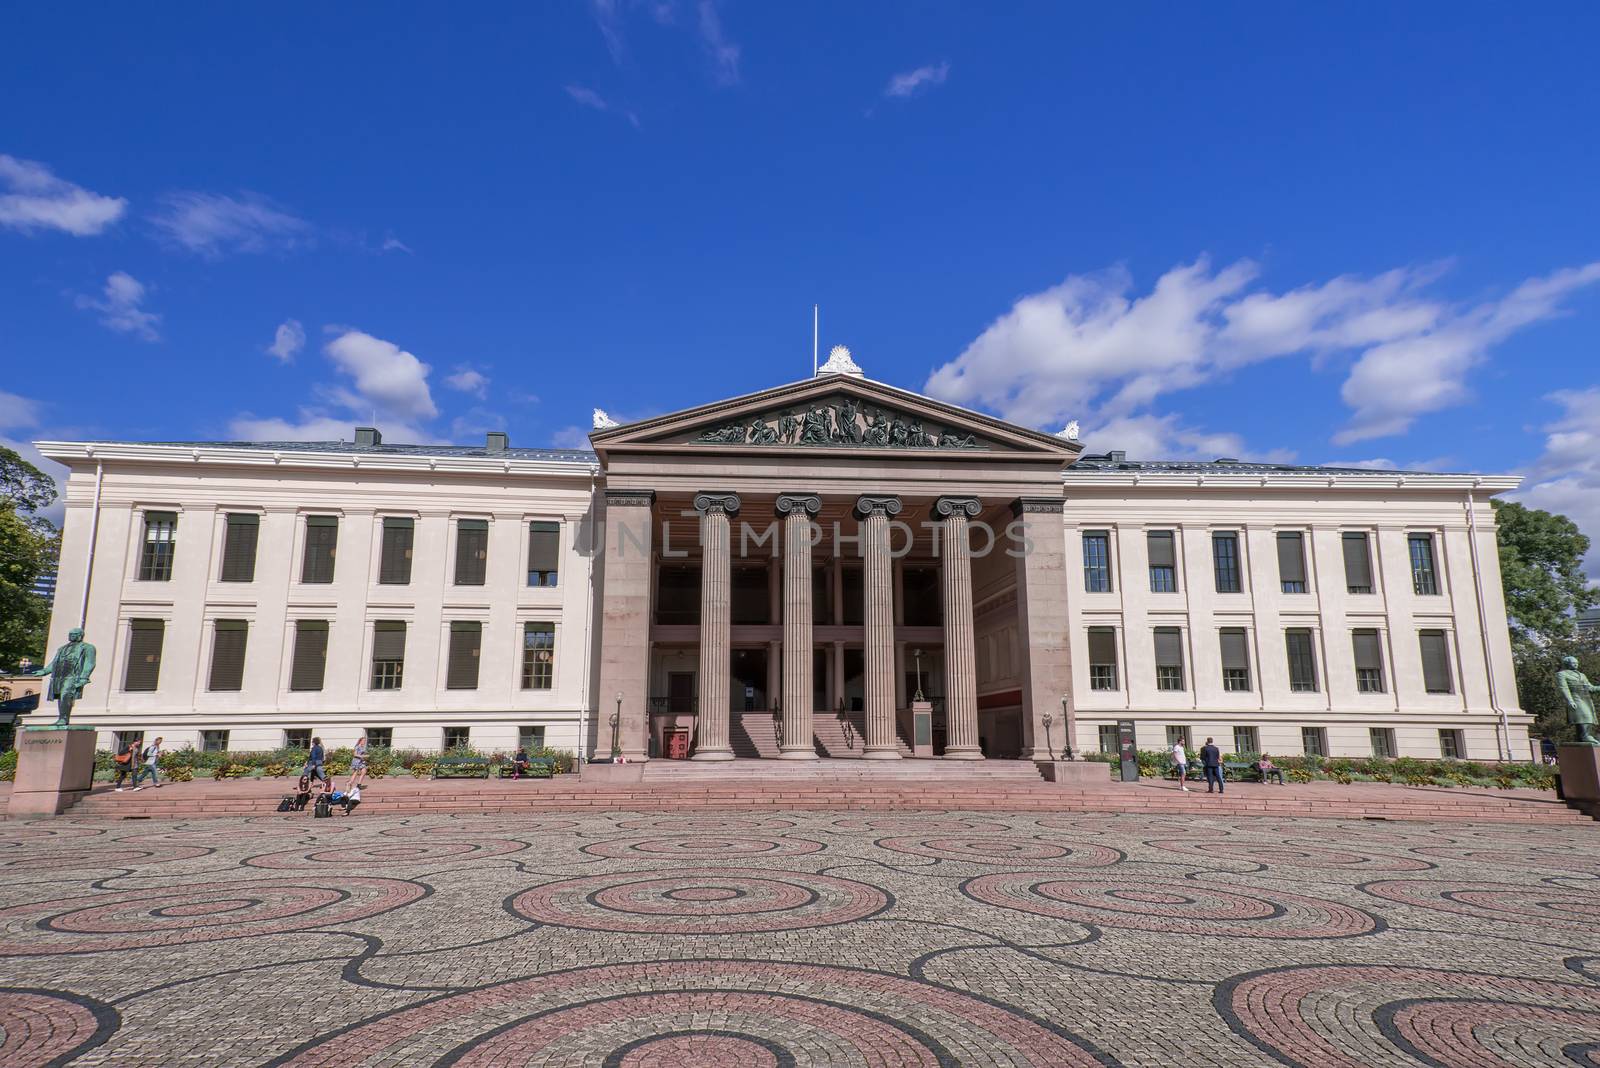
x: 798, y: 939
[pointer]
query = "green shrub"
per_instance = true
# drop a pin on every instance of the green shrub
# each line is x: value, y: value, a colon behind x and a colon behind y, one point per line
x: 277, y: 771
x: 377, y: 769
x: 180, y: 773
x: 1301, y: 775
x: 8, y: 765
x: 421, y: 770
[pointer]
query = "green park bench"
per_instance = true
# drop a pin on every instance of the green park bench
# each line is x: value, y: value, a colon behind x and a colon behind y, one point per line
x: 538, y: 768
x: 461, y: 768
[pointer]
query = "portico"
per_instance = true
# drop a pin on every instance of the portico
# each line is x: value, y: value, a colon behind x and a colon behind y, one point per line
x: 785, y: 572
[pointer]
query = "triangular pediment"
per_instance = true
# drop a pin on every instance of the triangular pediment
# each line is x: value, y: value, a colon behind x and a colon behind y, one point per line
x: 840, y: 413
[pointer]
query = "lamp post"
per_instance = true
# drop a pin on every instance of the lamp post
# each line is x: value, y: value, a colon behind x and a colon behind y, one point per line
x: 1049, y: 749
x: 1066, y: 727
x: 616, y: 718
x: 916, y: 654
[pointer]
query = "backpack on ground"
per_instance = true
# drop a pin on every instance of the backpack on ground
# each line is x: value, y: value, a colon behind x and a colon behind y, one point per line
x: 287, y: 804
x: 323, y: 809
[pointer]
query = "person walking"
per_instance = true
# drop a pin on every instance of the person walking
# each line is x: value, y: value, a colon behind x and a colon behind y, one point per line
x: 358, y: 764
x: 1211, y: 758
x: 127, y: 763
x: 314, y: 760
x: 149, y: 758
x: 1180, y: 760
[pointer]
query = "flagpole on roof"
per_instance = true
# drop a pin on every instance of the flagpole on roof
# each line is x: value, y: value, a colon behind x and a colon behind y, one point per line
x: 814, y: 318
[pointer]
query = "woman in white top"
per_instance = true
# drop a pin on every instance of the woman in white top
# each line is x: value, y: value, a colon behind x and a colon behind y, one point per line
x: 1180, y: 759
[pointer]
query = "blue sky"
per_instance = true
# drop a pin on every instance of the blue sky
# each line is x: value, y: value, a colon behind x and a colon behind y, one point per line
x: 1316, y: 234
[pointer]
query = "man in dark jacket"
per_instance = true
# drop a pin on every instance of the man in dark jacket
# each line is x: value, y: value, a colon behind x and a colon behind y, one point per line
x: 1211, y: 757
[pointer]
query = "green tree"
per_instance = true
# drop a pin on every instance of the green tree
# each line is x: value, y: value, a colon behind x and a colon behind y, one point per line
x: 1541, y: 569
x: 29, y: 547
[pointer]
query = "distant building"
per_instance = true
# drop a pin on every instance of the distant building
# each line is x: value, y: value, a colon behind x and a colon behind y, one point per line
x: 45, y: 586
x: 1589, y: 623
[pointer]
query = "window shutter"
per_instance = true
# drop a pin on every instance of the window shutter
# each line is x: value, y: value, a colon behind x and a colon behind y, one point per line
x: 322, y: 542
x: 466, y: 641
x: 227, y: 654
x: 1160, y: 548
x: 1169, y: 647
x: 239, y: 547
x: 1102, y: 645
x: 472, y: 552
x: 388, y: 640
x: 394, y: 567
x: 544, y: 546
x: 1291, y: 556
x: 310, y: 654
x: 1369, y: 655
x: 1357, y: 561
x: 1435, y: 662
x: 144, y: 655
x: 1235, y: 655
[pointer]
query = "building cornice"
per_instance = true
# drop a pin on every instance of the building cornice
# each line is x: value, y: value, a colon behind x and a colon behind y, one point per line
x: 1308, y: 480
x: 73, y: 453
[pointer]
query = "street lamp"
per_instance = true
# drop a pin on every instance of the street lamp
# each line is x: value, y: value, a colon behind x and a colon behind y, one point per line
x: 616, y: 718
x: 1066, y: 727
x: 917, y: 655
x: 1048, y: 748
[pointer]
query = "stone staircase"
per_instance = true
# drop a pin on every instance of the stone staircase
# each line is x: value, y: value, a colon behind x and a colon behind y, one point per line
x: 840, y: 736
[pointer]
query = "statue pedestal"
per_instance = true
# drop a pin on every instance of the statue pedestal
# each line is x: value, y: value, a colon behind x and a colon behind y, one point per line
x: 1075, y: 772
x: 55, y: 768
x: 1580, y: 771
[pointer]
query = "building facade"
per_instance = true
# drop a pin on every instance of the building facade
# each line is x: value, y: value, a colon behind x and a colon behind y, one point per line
x: 833, y: 567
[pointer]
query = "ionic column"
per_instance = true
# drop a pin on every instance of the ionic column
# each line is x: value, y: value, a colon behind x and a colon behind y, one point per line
x: 960, y: 660
x: 797, y: 510
x: 715, y: 614
x: 874, y: 513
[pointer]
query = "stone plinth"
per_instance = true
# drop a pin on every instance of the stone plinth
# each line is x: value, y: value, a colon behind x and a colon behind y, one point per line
x: 609, y: 774
x: 1579, y: 766
x: 1075, y: 772
x: 922, y: 728
x: 55, y: 768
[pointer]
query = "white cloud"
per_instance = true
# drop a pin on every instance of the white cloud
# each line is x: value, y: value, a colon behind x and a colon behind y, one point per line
x: 468, y: 380
x: 37, y: 200
x: 587, y: 97
x: 311, y: 426
x: 394, y: 244
x: 723, y: 53
x: 570, y: 437
x: 471, y: 425
x: 211, y: 225
x: 609, y: 19
x: 910, y: 83
x: 120, y: 307
x: 287, y: 340
x: 1165, y: 437
x: 17, y: 413
x: 1089, y: 347
x: 1566, y: 477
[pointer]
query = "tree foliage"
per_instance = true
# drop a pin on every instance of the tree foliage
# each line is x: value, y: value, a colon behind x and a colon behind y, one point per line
x: 29, y: 547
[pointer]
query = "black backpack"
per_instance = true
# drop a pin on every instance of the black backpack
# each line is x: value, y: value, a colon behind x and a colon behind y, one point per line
x: 287, y: 804
x: 323, y: 809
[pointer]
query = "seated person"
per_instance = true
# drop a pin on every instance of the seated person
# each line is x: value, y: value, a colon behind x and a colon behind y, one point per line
x: 348, y: 798
x: 1268, y: 769
x: 519, y: 764
x: 302, y: 793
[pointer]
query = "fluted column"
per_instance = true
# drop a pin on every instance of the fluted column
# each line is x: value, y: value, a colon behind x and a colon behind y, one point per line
x: 960, y: 662
x: 874, y: 513
x: 715, y: 614
x: 797, y: 510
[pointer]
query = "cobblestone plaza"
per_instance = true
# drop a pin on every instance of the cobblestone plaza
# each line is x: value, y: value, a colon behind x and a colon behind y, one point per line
x: 818, y: 938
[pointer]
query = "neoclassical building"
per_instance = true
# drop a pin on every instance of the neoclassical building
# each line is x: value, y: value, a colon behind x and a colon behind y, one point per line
x: 833, y: 567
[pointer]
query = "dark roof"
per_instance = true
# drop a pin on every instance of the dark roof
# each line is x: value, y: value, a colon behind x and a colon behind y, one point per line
x: 350, y: 447
x: 1116, y: 462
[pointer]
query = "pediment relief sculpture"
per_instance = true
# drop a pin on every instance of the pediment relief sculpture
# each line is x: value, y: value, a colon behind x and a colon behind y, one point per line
x: 847, y: 422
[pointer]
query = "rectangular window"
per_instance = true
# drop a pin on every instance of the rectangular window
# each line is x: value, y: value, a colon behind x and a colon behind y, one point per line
x: 472, y: 552
x: 749, y: 596
x: 1246, y: 740
x: 853, y: 592
x: 1302, y: 660
x: 297, y: 738
x: 388, y: 654
x: 1180, y: 734
x: 379, y: 737
x: 310, y: 654
x: 1357, y: 561
x: 1424, y: 578
x: 1369, y: 661
x: 322, y: 543
x: 458, y: 737
x: 678, y: 594
x: 1096, y: 561
x: 394, y: 561
x: 530, y: 738
x: 821, y: 594
x: 544, y: 553
x: 1292, y: 561
x: 1314, y: 740
x: 1102, y: 658
x: 213, y: 741
x: 1163, y: 561
x: 1108, y: 738
x: 227, y: 655
x: 1435, y: 661
x: 1452, y: 745
x: 922, y: 597
x: 1225, y: 560
x: 538, y: 655
x: 1382, y: 742
x: 160, y: 542
x: 239, y: 538
x: 466, y: 649
x: 1235, y: 659
x: 144, y: 655
x: 1169, y: 658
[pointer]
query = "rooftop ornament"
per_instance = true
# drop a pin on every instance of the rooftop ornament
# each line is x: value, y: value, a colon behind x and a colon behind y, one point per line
x: 840, y: 363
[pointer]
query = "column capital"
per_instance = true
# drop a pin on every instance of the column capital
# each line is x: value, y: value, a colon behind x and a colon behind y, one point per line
x: 805, y: 503
x: 711, y: 503
x: 872, y: 504
x: 629, y: 498
x: 945, y: 507
x: 1037, y: 505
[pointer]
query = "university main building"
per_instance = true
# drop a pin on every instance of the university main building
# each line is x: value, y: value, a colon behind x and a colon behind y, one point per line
x: 834, y: 567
